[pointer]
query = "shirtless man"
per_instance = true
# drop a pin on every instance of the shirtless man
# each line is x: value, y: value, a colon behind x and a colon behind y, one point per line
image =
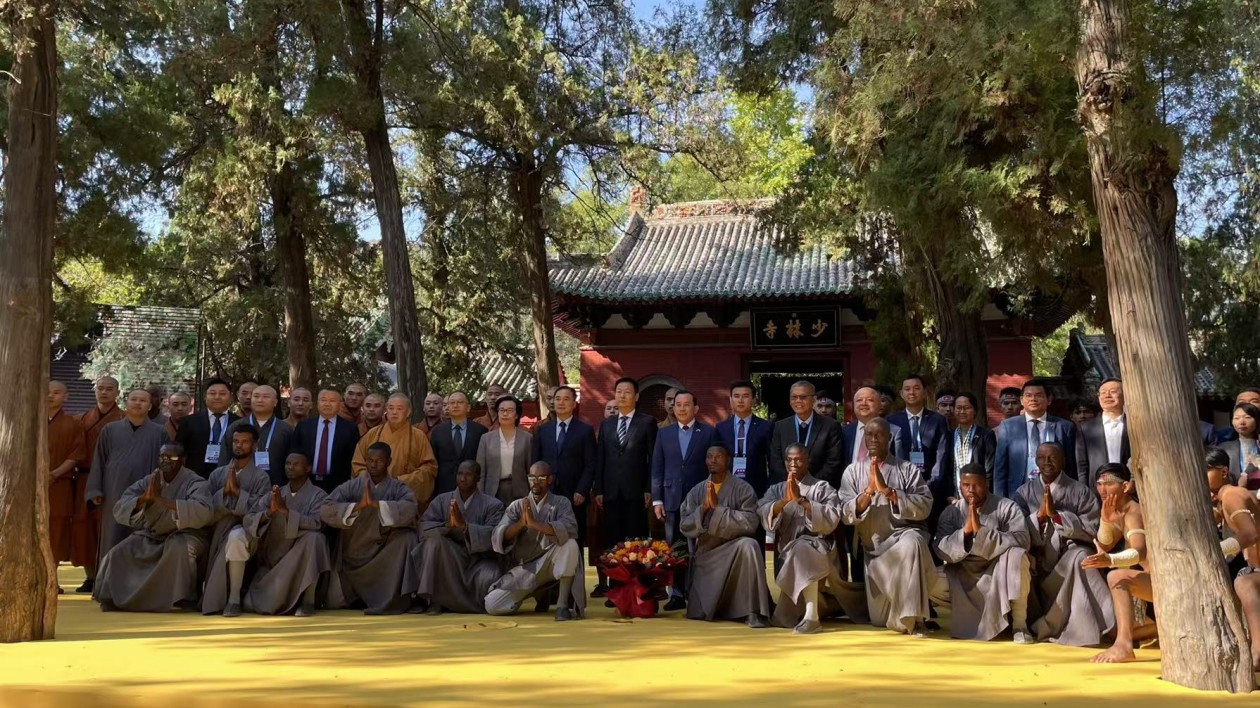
x: 1236, y: 510
x: 1121, y: 521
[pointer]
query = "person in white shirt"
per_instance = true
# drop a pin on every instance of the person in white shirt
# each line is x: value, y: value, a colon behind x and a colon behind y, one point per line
x: 1105, y: 438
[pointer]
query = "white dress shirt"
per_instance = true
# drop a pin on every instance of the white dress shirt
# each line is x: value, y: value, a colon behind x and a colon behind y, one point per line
x: 1113, y: 429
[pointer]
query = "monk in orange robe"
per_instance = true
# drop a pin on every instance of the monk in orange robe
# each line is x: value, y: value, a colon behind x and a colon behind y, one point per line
x: 67, y: 451
x: 86, y: 527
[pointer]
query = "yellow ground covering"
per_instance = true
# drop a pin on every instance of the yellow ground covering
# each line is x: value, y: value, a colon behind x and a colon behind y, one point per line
x: 344, y: 658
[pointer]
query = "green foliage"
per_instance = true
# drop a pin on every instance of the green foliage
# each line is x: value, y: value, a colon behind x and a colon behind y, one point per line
x: 1221, y: 271
x: 1048, y: 351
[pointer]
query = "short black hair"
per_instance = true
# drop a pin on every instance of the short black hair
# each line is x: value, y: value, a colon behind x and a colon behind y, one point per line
x: 382, y: 447
x: 1009, y: 391
x: 1216, y: 457
x: 683, y: 391
x: 975, y: 402
x: 946, y: 392
x: 1108, y: 380
x: 796, y: 446
x: 914, y: 377
x: 216, y: 381
x: 743, y: 383
x: 565, y: 387
x: 1086, y: 403
x: 500, y: 401
x: 1249, y: 409
x: 1251, y: 389
x: 974, y: 469
x: 1035, y: 383
x: 1118, y: 469
x: 248, y: 430
x: 626, y: 379
x: 177, y: 445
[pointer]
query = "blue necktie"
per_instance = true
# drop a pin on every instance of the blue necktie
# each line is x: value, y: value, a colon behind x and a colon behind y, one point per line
x: 560, y: 435
x: 914, y: 433
x: 459, y: 438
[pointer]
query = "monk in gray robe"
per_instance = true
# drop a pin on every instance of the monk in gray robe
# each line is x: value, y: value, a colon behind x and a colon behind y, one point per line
x: 984, y: 542
x: 126, y: 452
x: 728, y: 568
x: 155, y: 568
x: 455, y: 562
x: 538, y: 534
x: 292, y: 551
x: 803, y: 513
x: 888, y: 502
x: 376, y: 514
x: 234, y: 489
x: 1071, y: 605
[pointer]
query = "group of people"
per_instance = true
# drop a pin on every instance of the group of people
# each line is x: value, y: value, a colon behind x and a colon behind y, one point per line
x: 1033, y: 527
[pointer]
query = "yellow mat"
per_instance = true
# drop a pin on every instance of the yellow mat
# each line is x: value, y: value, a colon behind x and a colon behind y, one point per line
x: 344, y: 658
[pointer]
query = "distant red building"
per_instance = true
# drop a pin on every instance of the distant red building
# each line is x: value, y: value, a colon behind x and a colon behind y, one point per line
x: 701, y: 294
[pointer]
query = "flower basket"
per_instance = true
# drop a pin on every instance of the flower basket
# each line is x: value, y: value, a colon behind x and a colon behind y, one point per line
x: 640, y: 567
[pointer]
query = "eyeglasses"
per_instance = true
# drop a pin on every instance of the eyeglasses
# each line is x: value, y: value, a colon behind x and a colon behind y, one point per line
x: 797, y: 397
x: 170, y: 458
x: 538, y: 477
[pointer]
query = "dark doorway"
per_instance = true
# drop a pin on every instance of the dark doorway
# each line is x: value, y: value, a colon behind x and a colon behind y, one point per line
x: 774, y: 380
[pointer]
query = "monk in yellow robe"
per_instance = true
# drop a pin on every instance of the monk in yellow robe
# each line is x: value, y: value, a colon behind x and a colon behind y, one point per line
x: 412, y: 461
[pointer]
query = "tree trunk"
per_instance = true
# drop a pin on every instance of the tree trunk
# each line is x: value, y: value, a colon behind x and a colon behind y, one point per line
x: 526, y: 188
x: 963, y: 361
x: 364, y: 57
x: 28, y: 575
x: 299, y: 322
x: 288, y: 212
x: 1203, y: 636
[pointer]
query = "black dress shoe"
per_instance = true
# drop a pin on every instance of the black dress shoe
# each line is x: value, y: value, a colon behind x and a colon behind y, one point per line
x: 609, y: 603
x: 87, y: 586
x: 542, y: 608
x: 599, y: 591
x: 675, y: 603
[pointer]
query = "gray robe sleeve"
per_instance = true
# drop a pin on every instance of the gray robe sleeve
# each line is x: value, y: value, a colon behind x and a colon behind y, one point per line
x: 401, y: 511
x: 914, y: 497
x: 125, y: 511
x: 512, y: 515
x: 335, y: 507
x: 949, y: 536
x: 564, y: 523
x: 848, y: 494
x: 95, y: 485
x: 194, y: 510
x: 728, y: 522
x: 991, y: 541
x: 433, y: 521
x: 765, y: 507
x: 1079, y: 523
x: 480, y: 534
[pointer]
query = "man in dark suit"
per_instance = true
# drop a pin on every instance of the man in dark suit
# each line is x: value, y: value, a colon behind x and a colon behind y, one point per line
x: 1104, y: 438
x: 747, y: 438
x: 454, y: 441
x: 623, y: 469
x: 923, y: 431
x: 1018, y: 439
x: 328, y: 441
x: 567, y: 445
x: 820, y: 435
x: 678, y: 464
x: 202, y: 433
x: 866, y: 407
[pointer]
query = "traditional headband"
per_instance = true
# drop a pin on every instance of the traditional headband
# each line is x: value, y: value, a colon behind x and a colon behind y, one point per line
x: 1111, y: 477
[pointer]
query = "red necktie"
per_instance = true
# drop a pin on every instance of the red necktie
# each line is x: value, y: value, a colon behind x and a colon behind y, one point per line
x: 321, y: 465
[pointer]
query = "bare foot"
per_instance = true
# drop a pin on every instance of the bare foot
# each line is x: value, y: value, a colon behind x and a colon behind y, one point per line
x: 1117, y: 654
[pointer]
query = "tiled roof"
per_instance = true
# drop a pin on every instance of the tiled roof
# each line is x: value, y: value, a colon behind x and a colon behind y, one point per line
x: 1103, y: 365
x: 703, y: 251
x: 513, y: 371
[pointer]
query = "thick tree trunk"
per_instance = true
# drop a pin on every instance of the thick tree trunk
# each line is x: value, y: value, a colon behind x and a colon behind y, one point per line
x: 963, y: 361
x: 526, y: 188
x: 363, y: 53
x: 28, y: 575
x: 1203, y: 636
x: 299, y: 322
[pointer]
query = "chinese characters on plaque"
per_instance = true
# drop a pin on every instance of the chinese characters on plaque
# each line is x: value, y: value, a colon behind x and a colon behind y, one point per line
x: 795, y: 328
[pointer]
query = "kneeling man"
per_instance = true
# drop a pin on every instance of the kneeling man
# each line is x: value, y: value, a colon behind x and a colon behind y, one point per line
x: 155, y: 568
x: 376, y: 514
x: 984, y: 542
x: 455, y: 563
x: 728, y: 568
x: 292, y: 549
x: 538, y: 534
x: 889, y: 501
x: 234, y: 488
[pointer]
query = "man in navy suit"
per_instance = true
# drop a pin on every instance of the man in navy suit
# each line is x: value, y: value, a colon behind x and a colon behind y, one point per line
x: 677, y: 466
x: 567, y: 445
x: 454, y: 441
x: 624, y: 466
x: 1019, y: 437
x: 821, y: 436
x: 747, y: 438
x: 923, y: 431
x: 328, y: 441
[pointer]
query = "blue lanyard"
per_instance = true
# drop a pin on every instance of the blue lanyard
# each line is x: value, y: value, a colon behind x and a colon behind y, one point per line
x: 797, y: 421
x: 266, y: 445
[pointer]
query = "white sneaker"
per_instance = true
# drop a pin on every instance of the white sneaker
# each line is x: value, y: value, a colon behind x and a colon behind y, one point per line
x: 1023, y: 637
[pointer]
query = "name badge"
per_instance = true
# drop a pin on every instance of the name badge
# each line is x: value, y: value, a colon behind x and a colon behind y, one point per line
x: 740, y: 467
x: 262, y: 460
x: 916, y: 458
x: 212, y: 454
